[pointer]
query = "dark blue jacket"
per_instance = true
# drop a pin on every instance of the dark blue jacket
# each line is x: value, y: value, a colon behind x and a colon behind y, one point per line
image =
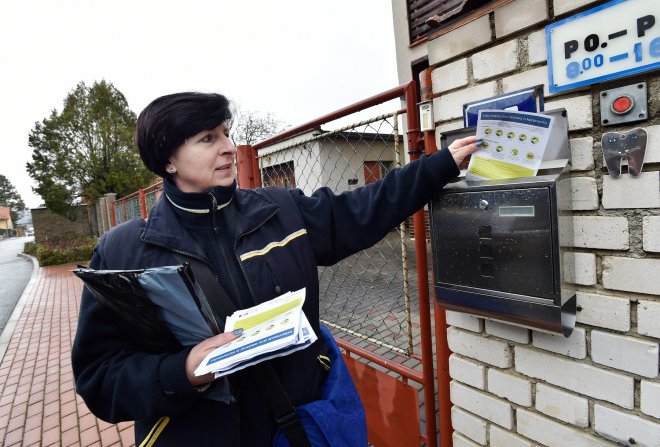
x: 281, y: 238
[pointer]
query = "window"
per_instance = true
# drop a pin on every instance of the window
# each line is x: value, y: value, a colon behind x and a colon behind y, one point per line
x: 425, y: 16
x: 375, y: 170
x: 280, y: 175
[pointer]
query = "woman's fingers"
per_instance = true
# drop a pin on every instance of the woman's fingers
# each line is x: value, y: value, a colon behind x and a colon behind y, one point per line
x: 462, y: 142
x: 220, y: 339
x: 201, y: 350
x: 463, y: 147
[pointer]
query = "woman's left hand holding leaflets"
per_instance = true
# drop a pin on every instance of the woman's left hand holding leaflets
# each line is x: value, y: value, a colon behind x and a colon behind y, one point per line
x: 199, y: 352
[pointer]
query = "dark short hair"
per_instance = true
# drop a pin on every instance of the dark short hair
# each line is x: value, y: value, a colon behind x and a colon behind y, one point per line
x: 167, y: 121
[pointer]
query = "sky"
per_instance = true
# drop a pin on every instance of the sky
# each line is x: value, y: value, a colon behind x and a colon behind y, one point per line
x: 295, y: 59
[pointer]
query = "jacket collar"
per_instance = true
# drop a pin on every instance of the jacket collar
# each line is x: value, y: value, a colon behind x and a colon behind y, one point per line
x: 163, y: 227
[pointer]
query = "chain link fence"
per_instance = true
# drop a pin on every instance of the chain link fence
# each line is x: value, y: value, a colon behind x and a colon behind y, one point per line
x: 129, y: 206
x: 368, y: 294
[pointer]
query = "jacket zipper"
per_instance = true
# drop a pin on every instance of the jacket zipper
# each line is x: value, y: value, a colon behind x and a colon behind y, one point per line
x: 278, y: 289
x: 238, y: 259
x: 223, y: 250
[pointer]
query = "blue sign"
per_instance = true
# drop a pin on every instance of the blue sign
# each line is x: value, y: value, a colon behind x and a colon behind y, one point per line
x: 527, y: 100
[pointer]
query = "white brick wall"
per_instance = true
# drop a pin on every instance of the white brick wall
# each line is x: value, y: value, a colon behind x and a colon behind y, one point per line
x: 564, y: 6
x: 651, y: 233
x: 459, y: 440
x: 526, y: 79
x: 604, y: 311
x: 582, y: 156
x: 625, y: 353
x: 512, y: 388
x: 569, y: 386
x: 648, y: 318
x: 499, y: 59
x: 583, y: 194
x: 450, y: 76
x: 633, y: 275
x: 450, y: 105
x: 554, y: 434
x: 482, y: 404
x: 459, y: 41
x: 508, y: 331
x: 502, y: 438
x: 576, y: 376
x: 580, y: 268
x: 465, y: 321
x: 652, y: 154
x: 520, y: 14
x: 573, y: 346
x: 469, y: 425
x: 621, y: 427
x: 536, y: 47
x: 627, y: 191
x: 609, y: 233
x: 650, y: 398
x: 578, y: 110
x: 493, y: 352
x: 467, y: 372
x: 566, y: 407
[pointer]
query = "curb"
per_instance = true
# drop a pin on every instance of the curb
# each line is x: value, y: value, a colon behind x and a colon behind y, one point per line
x: 8, y: 331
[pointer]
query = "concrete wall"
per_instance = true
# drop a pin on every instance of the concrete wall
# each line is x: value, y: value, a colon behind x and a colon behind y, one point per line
x: 51, y: 227
x: 600, y: 387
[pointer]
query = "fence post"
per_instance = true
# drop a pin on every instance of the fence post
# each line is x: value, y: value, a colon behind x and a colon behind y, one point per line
x: 110, y: 208
x: 142, y: 197
x: 442, y: 351
x: 113, y: 216
x: 414, y: 149
x: 248, y: 167
x: 102, y: 215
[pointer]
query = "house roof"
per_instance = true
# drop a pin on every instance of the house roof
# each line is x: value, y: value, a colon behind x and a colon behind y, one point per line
x: 5, y: 213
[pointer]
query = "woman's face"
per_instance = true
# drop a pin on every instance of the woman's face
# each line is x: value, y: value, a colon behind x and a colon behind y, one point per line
x: 204, y: 160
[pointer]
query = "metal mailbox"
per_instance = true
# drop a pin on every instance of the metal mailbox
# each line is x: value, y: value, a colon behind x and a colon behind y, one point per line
x: 496, y: 244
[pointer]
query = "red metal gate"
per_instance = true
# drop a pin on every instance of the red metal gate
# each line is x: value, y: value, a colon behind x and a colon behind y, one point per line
x: 379, y: 366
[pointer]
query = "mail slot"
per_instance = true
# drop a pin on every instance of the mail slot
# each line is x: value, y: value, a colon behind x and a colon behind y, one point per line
x: 496, y: 244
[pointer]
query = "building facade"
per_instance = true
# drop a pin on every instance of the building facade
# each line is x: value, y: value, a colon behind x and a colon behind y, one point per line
x: 516, y: 387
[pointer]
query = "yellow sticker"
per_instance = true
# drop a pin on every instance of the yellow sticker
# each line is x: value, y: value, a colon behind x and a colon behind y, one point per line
x: 496, y: 169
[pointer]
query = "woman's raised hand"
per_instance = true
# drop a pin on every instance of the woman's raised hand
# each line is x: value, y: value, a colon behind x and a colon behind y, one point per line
x: 463, y: 147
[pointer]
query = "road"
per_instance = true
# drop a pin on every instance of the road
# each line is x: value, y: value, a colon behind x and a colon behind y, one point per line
x: 15, y: 272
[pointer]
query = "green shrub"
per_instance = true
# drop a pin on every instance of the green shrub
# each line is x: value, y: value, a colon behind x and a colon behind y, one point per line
x: 68, y: 252
x: 30, y: 248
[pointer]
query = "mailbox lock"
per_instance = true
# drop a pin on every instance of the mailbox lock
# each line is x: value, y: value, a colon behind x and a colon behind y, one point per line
x: 483, y: 204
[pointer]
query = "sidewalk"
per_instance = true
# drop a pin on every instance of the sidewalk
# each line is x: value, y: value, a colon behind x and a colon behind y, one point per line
x: 38, y: 402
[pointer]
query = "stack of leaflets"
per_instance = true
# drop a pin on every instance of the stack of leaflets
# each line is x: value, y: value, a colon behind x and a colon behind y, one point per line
x: 272, y: 329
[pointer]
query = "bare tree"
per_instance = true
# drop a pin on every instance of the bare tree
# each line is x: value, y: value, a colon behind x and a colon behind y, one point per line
x: 250, y: 127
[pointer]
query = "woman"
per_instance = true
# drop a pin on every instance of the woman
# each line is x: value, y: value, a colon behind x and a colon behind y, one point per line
x: 202, y: 216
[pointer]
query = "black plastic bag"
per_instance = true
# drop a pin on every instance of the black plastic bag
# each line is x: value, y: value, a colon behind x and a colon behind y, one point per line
x: 121, y: 291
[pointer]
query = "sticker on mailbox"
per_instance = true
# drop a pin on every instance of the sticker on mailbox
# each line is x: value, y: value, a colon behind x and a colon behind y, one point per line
x: 617, y: 39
